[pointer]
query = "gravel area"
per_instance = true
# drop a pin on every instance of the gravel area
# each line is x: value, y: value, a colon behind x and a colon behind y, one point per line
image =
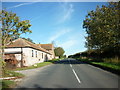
x: 30, y: 72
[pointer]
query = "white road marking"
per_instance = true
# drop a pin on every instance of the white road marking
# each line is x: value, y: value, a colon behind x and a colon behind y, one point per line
x: 76, y: 76
x: 75, y: 73
x: 70, y: 65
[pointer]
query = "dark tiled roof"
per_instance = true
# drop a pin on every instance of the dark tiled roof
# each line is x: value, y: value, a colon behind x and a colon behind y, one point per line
x: 24, y: 43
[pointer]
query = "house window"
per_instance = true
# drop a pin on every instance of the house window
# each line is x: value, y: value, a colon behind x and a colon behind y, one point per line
x: 42, y: 55
x: 32, y: 53
x: 36, y: 53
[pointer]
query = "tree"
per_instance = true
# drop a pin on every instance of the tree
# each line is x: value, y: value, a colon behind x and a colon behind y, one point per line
x: 59, y: 51
x: 12, y: 26
x: 29, y: 39
x: 70, y: 56
x: 65, y: 56
x: 102, y: 27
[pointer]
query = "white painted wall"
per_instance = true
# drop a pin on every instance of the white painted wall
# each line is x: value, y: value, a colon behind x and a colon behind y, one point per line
x: 56, y: 57
x: 52, y: 51
x: 18, y: 57
x: 27, y: 58
x: 49, y: 56
x: 11, y: 50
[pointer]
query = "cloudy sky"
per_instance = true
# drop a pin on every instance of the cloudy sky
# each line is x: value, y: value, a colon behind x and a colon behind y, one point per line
x: 61, y: 22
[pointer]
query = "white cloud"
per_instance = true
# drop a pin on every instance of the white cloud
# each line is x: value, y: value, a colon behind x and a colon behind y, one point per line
x: 35, y: 18
x: 68, y: 13
x: 28, y: 3
x: 59, y: 34
x: 71, y: 43
x: 68, y: 10
x: 68, y: 44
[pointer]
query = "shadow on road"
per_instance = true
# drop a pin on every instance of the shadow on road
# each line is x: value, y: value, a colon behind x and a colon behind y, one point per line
x: 73, y: 61
x: 38, y: 87
x: 67, y: 61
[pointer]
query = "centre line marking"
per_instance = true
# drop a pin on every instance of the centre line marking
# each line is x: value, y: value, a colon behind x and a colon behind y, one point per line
x: 75, y: 73
x: 70, y: 65
x: 76, y: 76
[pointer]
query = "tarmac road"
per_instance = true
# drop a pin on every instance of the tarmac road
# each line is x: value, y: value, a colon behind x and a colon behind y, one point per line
x: 69, y: 73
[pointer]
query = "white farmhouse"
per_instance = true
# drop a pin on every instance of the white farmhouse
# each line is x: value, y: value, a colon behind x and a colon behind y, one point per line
x: 21, y: 53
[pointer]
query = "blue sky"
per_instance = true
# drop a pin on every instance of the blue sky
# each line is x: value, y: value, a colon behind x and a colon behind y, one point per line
x: 61, y: 22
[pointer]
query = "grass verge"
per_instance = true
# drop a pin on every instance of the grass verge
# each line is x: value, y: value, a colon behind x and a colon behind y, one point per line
x: 38, y: 65
x: 109, y: 65
x: 33, y: 66
x: 112, y: 67
x: 8, y: 73
x: 7, y: 84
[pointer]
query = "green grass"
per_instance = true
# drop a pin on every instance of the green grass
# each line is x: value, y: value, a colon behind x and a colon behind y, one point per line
x: 54, y: 60
x: 109, y: 65
x: 115, y: 66
x: 33, y: 66
x: 8, y: 73
x: 7, y: 83
x: 38, y: 65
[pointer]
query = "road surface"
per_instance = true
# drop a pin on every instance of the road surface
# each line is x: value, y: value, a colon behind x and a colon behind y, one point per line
x: 69, y: 73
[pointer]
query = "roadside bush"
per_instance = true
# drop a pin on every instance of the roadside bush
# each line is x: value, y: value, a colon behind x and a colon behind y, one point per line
x: 53, y: 60
x: 112, y: 60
